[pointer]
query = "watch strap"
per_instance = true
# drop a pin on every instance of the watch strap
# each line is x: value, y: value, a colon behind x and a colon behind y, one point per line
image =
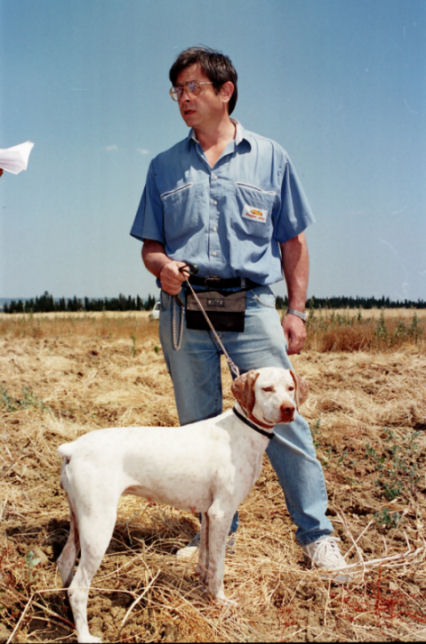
x: 299, y: 314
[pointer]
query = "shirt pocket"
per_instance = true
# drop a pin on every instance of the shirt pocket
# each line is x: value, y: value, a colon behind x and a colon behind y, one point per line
x: 183, y: 207
x: 254, y: 207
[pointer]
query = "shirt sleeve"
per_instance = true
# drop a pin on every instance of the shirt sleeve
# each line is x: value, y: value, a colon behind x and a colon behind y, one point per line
x: 148, y: 223
x: 294, y: 214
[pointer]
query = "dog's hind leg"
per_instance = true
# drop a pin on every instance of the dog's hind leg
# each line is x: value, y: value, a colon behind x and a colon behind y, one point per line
x: 203, y: 553
x: 95, y: 535
x: 69, y: 553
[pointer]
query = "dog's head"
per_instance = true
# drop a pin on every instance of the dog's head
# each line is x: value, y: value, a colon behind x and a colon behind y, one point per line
x: 270, y: 395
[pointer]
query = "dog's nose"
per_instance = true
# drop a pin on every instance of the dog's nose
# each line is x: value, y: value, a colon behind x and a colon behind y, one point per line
x: 287, y: 412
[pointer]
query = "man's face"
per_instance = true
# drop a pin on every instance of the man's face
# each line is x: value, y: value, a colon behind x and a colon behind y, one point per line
x: 204, y: 109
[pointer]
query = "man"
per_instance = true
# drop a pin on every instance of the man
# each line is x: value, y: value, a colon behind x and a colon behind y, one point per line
x: 229, y: 201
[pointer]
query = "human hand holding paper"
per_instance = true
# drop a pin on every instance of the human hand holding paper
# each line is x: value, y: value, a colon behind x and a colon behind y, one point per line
x: 15, y: 159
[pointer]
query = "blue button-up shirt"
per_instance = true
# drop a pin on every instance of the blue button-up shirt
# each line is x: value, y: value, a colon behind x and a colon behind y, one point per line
x: 229, y: 219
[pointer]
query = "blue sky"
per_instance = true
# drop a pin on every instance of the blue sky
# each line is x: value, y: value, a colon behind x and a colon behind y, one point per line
x: 341, y: 84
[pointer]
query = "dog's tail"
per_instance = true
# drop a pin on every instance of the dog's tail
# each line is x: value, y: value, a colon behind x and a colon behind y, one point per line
x: 65, y: 450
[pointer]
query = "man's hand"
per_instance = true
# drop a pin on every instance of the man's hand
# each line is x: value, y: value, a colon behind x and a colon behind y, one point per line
x: 295, y: 263
x: 163, y: 267
x: 295, y: 332
x: 171, y: 277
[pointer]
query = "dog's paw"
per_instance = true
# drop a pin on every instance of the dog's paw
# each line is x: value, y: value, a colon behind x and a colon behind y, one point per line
x: 90, y: 639
x: 222, y: 600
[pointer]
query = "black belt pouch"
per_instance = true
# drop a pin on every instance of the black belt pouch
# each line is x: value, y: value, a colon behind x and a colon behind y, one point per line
x: 226, y: 311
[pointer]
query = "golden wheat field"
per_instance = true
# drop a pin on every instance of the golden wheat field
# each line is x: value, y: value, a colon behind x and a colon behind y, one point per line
x: 64, y: 375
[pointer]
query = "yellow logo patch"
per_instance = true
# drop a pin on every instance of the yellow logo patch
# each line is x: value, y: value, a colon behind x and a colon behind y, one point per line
x: 255, y: 214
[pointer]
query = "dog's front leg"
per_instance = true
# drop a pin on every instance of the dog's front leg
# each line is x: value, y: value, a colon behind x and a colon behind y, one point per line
x: 219, y: 525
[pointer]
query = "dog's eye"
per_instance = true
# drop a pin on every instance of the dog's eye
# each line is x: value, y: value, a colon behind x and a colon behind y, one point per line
x: 270, y: 388
x: 291, y: 388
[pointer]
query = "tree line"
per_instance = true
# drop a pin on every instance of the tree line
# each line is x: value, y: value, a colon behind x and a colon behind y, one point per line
x: 46, y: 303
x: 344, y: 302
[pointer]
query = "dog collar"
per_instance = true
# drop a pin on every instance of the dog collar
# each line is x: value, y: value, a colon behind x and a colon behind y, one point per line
x: 252, y: 425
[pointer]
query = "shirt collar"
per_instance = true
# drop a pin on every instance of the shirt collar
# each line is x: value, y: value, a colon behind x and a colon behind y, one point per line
x: 240, y: 134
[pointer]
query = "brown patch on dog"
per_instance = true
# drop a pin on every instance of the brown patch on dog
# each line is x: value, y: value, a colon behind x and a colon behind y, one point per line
x: 301, y: 389
x: 243, y: 389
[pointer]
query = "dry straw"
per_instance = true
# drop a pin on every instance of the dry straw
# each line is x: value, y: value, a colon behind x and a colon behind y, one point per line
x: 64, y: 375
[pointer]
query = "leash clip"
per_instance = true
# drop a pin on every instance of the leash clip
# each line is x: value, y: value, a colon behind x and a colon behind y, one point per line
x: 192, y: 269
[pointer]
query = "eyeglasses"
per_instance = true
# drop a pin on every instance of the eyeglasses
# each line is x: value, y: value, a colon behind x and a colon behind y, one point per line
x: 192, y: 87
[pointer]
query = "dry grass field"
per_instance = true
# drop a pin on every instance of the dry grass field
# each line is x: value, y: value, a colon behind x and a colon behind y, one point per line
x: 63, y: 375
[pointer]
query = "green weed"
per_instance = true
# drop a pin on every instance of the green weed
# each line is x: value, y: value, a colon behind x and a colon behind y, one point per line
x: 315, y: 430
x: 387, y: 519
x: 133, y: 338
x: 396, y: 465
x: 32, y: 561
x: 6, y: 400
x: 381, y: 332
x: 29, y: 399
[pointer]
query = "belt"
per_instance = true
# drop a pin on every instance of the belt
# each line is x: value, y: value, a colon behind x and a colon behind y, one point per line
x: 218, y: 283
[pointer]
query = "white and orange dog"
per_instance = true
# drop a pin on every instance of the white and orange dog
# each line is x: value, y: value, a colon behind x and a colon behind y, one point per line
x: 209, y: 466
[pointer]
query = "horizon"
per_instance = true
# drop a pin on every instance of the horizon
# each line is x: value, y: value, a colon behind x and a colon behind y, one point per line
x: 356, y: 299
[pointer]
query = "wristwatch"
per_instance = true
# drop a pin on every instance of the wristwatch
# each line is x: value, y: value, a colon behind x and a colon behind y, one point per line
x: 299, y: 314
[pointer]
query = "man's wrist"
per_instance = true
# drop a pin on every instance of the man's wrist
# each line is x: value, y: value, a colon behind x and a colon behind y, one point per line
x: 165, y: 261
x: 300, y: 314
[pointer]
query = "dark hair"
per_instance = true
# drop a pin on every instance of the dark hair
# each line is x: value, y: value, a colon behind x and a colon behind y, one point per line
x: 216, y: 66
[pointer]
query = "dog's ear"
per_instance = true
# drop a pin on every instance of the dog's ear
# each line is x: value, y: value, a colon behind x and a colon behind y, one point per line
x: 243, y: 389
x: 301, y: 389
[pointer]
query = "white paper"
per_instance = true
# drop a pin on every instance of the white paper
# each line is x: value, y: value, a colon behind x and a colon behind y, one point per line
x: 15, y: 159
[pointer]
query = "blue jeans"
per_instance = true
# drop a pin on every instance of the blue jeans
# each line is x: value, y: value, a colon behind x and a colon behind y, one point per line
x: 196, y: 376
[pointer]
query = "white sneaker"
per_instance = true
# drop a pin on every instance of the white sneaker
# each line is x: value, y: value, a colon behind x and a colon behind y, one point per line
x: 325, y: 554
x: 189, y: 551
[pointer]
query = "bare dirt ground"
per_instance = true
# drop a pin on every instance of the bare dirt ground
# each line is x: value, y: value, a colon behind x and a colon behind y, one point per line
x: 61, y: 376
